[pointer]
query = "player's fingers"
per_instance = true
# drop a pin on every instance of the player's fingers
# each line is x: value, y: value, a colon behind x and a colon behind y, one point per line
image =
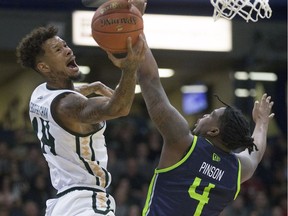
x: 130, y: 3
x: 271, y: 104
x: 106, y: 88
x: 256, y: 104
x: 144, y: 49
x: 110, y: 56
x: 113, y: 59
x: 255, y: 110
x: 137, y: 48
x: 268, y: 99
x: 264, y: 96
x: 129, y: 45
x: 105, y: 91
x: 143, y: 46
x: 271, y: 115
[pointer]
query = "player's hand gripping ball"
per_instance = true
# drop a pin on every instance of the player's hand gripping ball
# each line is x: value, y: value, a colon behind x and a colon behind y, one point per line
x: 113, y: 22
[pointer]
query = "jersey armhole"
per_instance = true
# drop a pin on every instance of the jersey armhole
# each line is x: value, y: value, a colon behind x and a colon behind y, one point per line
x: 53, y: 110
x: 238, y: 179
x: 192, y: 147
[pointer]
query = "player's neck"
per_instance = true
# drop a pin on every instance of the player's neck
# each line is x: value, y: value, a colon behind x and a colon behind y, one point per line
x: 219, y: 144
x: 56, y: 86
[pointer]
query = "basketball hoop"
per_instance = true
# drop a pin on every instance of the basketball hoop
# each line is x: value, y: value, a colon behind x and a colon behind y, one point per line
x: 248, y: 10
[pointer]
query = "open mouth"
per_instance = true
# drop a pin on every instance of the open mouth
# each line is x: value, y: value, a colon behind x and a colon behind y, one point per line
x: 72, y: 64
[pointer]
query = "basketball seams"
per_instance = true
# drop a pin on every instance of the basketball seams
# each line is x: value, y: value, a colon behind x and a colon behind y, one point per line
x: 111, y: 28
x: 126, y: 32
x: 110, y: 46
x: 133, y: 12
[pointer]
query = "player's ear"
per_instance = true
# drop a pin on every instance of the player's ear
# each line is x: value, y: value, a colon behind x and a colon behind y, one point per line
x: 214, y: 131
x: 42, y: 67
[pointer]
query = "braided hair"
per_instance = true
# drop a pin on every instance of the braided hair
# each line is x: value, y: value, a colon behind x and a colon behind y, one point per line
x: 235, y: 129
x: 30, y: 47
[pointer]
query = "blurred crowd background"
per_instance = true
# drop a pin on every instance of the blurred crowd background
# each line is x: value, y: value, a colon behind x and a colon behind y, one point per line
x: 133, y: 143
x: 134, y: 147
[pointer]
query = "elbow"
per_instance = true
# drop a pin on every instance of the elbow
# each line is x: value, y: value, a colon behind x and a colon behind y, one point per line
x: 124, y: 111
x: 249, y: 172
x: 246, y: 177
x: 117, y: 109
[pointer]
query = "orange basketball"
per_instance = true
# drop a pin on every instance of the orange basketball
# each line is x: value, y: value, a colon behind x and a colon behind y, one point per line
x: 113, y: 22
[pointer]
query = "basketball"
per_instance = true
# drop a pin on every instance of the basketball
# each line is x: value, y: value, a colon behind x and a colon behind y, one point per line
x: 113, y: 22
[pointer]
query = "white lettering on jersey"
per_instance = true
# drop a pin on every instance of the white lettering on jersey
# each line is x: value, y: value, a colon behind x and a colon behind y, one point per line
x: 211, y: 171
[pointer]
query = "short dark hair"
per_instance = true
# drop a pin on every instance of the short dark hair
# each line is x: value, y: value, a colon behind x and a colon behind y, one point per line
x: 235, y: 130
x: 30, y: 47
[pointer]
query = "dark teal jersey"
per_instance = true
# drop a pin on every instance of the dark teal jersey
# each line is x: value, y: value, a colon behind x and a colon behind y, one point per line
x: 203, y: 183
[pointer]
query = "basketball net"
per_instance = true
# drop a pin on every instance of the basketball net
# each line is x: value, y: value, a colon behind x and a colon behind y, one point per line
x: 248, y: 10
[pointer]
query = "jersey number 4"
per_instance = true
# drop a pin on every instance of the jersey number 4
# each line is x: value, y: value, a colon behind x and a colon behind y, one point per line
x: 202, y: 198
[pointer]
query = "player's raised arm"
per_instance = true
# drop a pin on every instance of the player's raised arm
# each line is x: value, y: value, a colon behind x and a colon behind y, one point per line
x: 261, y: 115
x: 170, y: 123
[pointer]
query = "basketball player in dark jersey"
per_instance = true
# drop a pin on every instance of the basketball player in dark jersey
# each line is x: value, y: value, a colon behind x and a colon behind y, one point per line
x: 198, y: 173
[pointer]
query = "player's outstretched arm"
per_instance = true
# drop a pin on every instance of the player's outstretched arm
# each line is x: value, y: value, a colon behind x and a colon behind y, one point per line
x: 170, y: 123
x: 261, y: 116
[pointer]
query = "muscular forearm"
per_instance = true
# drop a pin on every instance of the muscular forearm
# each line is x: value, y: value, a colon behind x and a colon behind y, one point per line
x: 260, y: 140
x: 151, y: 87
x: 122, y: 99
x: 261, y: 115
x: 148, y: 70
x: 250, y: 161
x: 167, y: 119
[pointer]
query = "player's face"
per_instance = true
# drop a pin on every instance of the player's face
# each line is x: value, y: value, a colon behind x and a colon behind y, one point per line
x: 59, y: 59
x: 208, y: 121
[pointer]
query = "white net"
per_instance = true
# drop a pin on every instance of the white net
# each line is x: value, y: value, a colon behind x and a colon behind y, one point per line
x: 248, y: 10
